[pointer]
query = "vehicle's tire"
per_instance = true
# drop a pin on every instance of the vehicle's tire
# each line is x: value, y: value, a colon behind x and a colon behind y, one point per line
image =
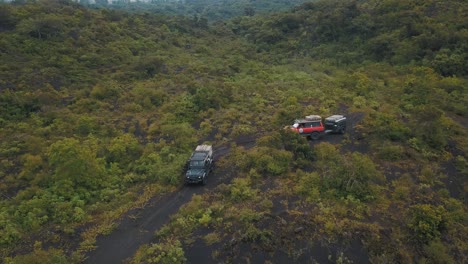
x: 315, y: 135
x: 342, y: 130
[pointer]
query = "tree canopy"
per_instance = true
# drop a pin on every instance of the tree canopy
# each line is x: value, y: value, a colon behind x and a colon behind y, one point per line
x: 101, y: 107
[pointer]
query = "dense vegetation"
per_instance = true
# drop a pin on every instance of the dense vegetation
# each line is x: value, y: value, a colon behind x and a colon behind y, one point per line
x: 207, y: 10
x: 101, y: 108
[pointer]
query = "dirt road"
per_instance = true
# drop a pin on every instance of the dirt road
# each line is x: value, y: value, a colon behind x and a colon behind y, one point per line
x: 138, y: 226
x: 131, y: 233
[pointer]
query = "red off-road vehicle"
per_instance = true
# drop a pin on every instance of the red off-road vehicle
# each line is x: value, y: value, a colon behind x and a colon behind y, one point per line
x: 312, y: 126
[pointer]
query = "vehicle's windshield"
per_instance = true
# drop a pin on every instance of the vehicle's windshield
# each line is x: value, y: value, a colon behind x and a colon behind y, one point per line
x: 197, y: 163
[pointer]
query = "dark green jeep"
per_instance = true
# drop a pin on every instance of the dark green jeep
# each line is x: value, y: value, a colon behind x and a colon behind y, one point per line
x: 335, y: 124
x: 199, y: 165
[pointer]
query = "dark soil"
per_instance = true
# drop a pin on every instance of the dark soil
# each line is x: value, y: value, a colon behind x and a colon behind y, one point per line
x: 454, y: 180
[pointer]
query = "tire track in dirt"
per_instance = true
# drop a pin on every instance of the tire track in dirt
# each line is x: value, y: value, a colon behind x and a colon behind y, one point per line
x: 138, y: 226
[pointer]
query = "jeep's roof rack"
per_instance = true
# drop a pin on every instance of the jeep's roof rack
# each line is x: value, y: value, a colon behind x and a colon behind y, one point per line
x: 335, y: 118
x: 313, y: 118
x: 206, y: 148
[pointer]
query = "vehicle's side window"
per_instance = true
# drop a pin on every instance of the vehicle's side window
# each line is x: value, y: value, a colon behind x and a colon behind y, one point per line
x: 315, y: 124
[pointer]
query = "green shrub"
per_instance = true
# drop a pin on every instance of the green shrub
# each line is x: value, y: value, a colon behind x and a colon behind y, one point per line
x: 205, y: 218
x: 9, y: 229
x: 391, y: 152
x: 155, y: 167
x: 426, y: 222
x: 240, y: 190
x: 308, y: 185
x: 123, y: 150
x: 461, y: 164
x: 349, y: 174
x: 106, y: 91
x: 437, y: 252
x: 359, y: 102
x: 169, y: 251
x: 387, y: 126
x: 212, y: 238
x: 427, y: 125
x: 39, y: 256
x: 254, y: 234
x: 271, y: 161
x: 87, y: 125
x: 402, y: 187
x: 75, y: 165
x: 298, y: 146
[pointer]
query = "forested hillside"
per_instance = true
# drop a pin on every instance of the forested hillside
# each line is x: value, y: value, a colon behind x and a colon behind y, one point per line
x: 100, y: 109
x: 207, y: 10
